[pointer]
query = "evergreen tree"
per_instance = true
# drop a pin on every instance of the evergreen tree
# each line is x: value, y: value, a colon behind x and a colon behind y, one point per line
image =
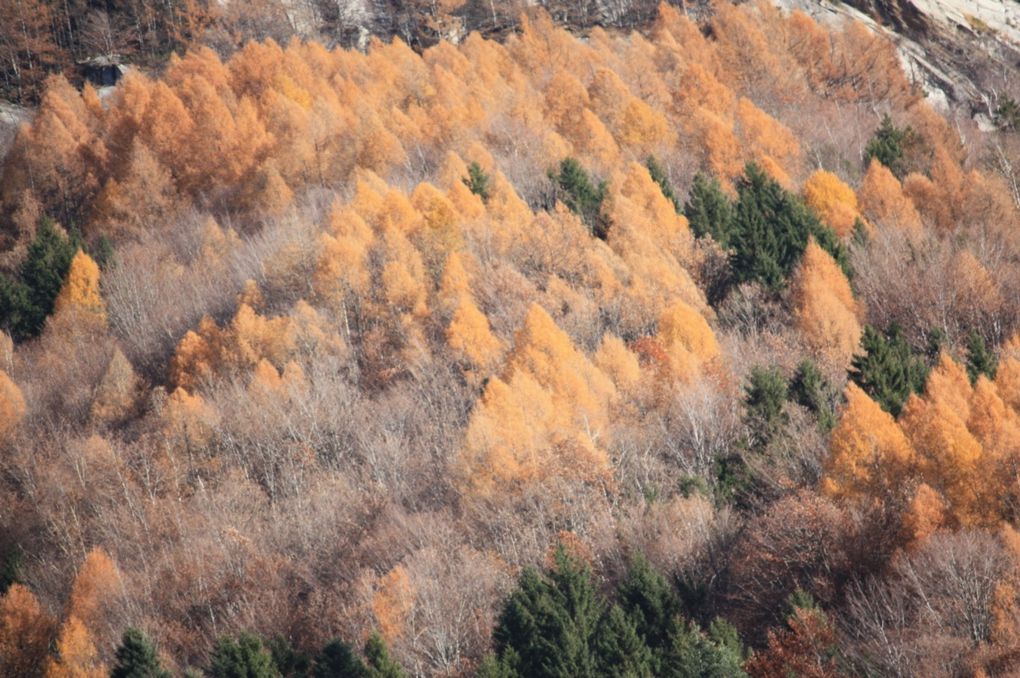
x: 548, y: 625
x: 649, y: 601
x: 584, y: 198
x: 764, y: 398
x: 621, y: 651
x: 809, y: 389
x: 1007, y: 114
x: 709, y: 211
x: 772, y: 228
x: 338, y: 660
x: 478, y: 181
x: 980, y: 360
x: 494, y: 667
x: 243, y: 657
x: 692, y: 654
x: 659, y: 176
x: 287, y: 660
x: 887, y: 370
x: 10, y: 571
x: 26, y: 301
x: 378, y: 662
x: 136, y: 658
x: 888, y: 146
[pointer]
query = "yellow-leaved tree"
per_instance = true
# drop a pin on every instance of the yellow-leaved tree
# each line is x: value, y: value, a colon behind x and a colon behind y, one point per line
x: 824, y: 307
x: 834, y: 201
x: 546, y: 418
x: 80, y: 293
x: 870, y: 458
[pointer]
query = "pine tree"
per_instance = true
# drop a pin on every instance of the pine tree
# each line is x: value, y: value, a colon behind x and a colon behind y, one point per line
x: 338, y: 660
x: 620, y: 650
x: 888, y: 146
x: 243, y: 657
x: 888, y: 370
x: 764, y: 398
x: 809, y: 389
x: 584, y: 198
x: 980, y: 360
x: 136, y: 658
x: 709, y: 211
x: 659, y: 176
x: 478, y: 181
x: 378, y: 660
x: 649, y: 601
x: 26, y: 301
x: 548, y: 625
x: 772, y: 228
x: 692, y: 654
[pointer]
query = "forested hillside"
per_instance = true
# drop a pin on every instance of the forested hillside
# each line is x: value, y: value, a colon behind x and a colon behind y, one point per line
x: 687, y: 351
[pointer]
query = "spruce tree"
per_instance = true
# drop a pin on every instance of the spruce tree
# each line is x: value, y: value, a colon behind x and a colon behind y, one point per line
x: 584, y: 198
x: 478, y: 181
x: 621, y: 652
x: 243, y: 657
x: 764, y: 397
x: 709, y: 211
x: 980, y: 360
x: 27, y: 300
x: 887, y: 369
x: 136, y: 658
x: 809, y: 389
x: 649, y: 601
x: 888, y: 145
x: 659, y: 176
x: 548, y: 625
x: 692, y: 654
x: 338, y: 660
x: 771, y: 230
x: 378, y: 662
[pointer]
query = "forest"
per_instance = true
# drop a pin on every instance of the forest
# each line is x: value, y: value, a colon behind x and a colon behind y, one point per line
x: 689, y: 349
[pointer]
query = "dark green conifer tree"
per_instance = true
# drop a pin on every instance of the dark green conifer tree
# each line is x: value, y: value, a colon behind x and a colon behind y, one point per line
x: 980, y: 360
x: 692, y: 654
x: 136, y: 658
x: 659, y: 176
x: 709, y: 211
x: 771, y: 230
x: 809, y: 389
x: 548, y: 625
x: 243, y: 657
x: 584, y: 198
x: 338, y: 660
x: 27, y: 300
x: 478, y: 181
x: 764, y: 397
x: 378, y: 662
x: 887, y: 369
x: 621, y: 652
x: 888, y: 145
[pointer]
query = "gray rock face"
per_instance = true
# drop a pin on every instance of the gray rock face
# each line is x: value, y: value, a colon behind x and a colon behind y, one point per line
x: 961, y: 52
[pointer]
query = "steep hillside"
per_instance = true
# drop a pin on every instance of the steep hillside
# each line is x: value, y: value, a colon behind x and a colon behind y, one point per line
x: 683, y: 350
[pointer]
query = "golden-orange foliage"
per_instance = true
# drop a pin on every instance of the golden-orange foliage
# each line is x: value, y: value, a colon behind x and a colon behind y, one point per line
x: 80, y: 293
x: 95, y: 585
x: 76, y: 653
x: 883, y: 202
x: 687, y: 339
x: 824, y: 307
x: 834, y: 201
x: 392, y: 603
x: 25, y: 632
x: 469, y: 334
x: 870, y: 457
x: 12, y: 405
